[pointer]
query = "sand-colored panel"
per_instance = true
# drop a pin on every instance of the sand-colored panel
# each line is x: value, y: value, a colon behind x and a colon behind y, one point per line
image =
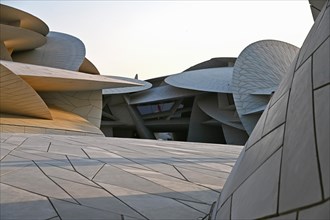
x: 4, y: 53
x: 87, y: 104
x: 43, y: 78
x: 88, y: 67
x: 17, y: 97
x: 16, y: 17
x: 18, y: 39
x: 62, y: 122
x: 143, y: 85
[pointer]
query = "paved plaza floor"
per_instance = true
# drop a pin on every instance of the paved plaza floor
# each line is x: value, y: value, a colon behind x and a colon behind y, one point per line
x: 75, y: 177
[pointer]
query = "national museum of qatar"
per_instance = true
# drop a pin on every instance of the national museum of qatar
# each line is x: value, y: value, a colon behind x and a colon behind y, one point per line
x: 242, y: 137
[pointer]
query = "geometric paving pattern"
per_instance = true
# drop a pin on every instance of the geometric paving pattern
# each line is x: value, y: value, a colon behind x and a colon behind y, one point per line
x: 74, y: 177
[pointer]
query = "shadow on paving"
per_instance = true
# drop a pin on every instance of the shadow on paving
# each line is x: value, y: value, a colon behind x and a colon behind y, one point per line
x: 134, y: 206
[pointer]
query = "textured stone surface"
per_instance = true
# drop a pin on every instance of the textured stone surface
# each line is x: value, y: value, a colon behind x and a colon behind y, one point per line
x: 276, y: 113
x: 107, y: 178
x: 18, y: 204
x: 291, y: 216
x: 42, y: 63
x: 322, y: 126
x: 71, y: 211
x: 321, y: 212
x: 87, y: 104
x: 301, y: 107
x: 321, y: 57
x: 264, y: 183
x: 225, y: 211
x: 299, y: 145
x: 61, y: 51
x: 209, y: 80
x: 316, y: 36
x: 254, y: 157
x: 18, y: 97
x: 260, y: 65
x: 257, y: 132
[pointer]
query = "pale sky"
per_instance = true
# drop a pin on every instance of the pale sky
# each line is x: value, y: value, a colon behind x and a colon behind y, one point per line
x: 157, y: 38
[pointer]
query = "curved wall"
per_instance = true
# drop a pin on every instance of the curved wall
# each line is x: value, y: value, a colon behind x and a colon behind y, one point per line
x: 19, y: 98
x: 15, y: 17
x: 41, y: 88
x: 61, y: 51
x: 257, y: 72
x: 283, y: 171
x: 87, y: 104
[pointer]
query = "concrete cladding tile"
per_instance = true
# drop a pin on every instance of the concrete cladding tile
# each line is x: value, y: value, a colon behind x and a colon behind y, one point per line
x: 258, y: 130
x: 118, y: 177
x: 160, y: 205
x: 319, y: 212
x: 17, y: 204
x: 276, y: 114
x: 255, y: 156
x: 78, y: 103
x: 71, y: 211
x: 209, y: 79
x: 260, y: 65
x: 290, y: 216
x: 61, y: 51
x: 263, y: 185
x: 224, y: 211
x: 39, y: 184
x: 102, y: 200
x: 322, y: 128
x: 297, y: 187
x: 109, y: 178
x: 321, y: 63
x: 229, y: 186
x: 285, y: 84
x: 299, y: 145
x: 316, y: 36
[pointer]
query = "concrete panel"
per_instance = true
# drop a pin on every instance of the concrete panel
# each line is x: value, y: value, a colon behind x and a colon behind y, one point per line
x: 78, y: 103
x: 17, y: 204
x: 43, y: 78
x: 208, y: 80
x: 26, y: 20
x: 276, y: 114
x: 322, y: 110
x: 198, y: 132
x: 161, y: 93
x: 321, y: 57
x: 225, y: 211
x: 264, y: 183
x: 260, y: 65
x: 304, y: 167
x: 299, y: 145
x: 17, y: 97
x: 61, y: 51
x: 321, y: 212
x: 18, y: 39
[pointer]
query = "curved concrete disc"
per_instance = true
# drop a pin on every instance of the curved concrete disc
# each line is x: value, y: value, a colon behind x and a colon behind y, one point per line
x: 51, y: 79
x: 17, y: 97
x: 208, y: 80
